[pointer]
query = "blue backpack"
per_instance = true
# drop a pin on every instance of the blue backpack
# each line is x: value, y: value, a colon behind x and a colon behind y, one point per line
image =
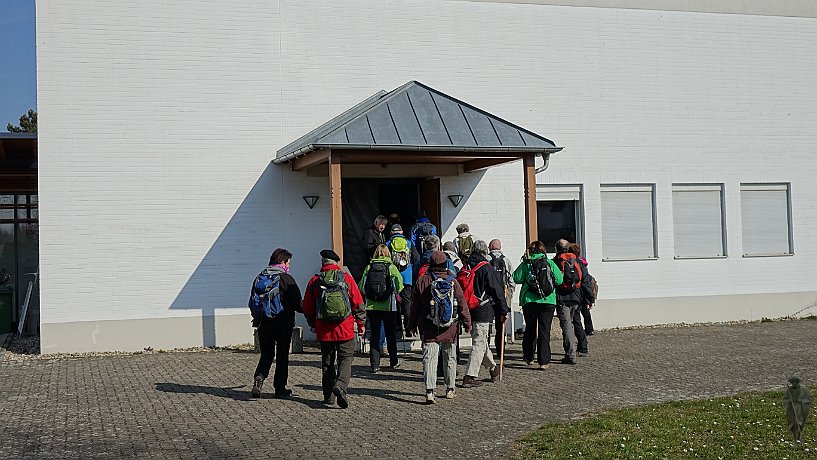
x: 443, y: 306
x: 265, y: 295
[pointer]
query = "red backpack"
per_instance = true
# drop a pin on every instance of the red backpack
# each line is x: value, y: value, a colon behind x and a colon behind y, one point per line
x: 466, y: 279
x: 572, y: 271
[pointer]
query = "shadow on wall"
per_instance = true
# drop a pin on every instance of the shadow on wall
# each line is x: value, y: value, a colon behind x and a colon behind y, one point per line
x: 223, y: 277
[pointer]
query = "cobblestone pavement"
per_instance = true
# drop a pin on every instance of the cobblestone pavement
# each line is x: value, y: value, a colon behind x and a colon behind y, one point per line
x: 186, y: 405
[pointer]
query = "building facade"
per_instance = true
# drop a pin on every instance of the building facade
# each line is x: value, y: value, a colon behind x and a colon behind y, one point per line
x: 687, y: 173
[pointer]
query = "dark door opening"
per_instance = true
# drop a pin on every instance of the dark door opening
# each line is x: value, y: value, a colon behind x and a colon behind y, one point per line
x: 364, y: 199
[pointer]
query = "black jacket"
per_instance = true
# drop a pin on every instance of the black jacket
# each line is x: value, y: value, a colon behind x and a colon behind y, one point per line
x: 371, y: 238
x: 489, y: 286
x: 290, y: 298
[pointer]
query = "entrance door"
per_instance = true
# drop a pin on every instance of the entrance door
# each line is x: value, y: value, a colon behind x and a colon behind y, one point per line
x: 363, y: 200
x: 430, y: 201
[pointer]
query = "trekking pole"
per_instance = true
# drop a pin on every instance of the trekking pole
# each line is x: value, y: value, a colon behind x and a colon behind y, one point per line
x: 502, y: 351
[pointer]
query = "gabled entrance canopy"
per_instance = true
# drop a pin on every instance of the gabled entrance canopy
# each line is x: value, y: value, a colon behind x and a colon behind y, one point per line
x: 416, y: 124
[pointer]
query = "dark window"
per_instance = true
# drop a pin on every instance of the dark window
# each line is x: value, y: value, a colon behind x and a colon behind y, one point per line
x: 556, y: 220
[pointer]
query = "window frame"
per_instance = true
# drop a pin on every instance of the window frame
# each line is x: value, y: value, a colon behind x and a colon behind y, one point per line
x: 769, y: 186
x: 632, y: 187
x: 702, y: 187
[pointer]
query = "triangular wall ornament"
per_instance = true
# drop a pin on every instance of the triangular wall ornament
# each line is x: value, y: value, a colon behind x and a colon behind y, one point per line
x: 311, y: 200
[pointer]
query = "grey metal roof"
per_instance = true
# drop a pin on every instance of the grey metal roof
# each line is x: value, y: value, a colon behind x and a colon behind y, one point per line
x: 417, y: 117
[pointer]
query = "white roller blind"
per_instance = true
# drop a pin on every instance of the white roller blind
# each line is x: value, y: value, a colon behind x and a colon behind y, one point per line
x: 627, y: 223
x: 766, y: 220
x: 558, y: 192
x: 697, y: 221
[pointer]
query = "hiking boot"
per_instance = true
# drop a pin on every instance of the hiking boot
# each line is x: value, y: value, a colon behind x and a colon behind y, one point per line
x: 529, y: 363
x: 588, y: 333
x: 343, y: 401
x: 494, y: 373
x: 567, y: 361
x: 329, y: 400
x: 283, y: 394
x: 396, y: 364
x: 430, y: 399
x: 375, y: 370
x: 544, y: 366
x: 384, y: 351
x: 469, y: 381
x: 583, y: 354
x: 257, y: 383
x: 450, y: 393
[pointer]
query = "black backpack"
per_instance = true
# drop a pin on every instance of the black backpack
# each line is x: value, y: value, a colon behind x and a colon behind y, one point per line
x: 378, y: 284
x: 499, y: 265
x: 540, y: 277
x: 423, y: 230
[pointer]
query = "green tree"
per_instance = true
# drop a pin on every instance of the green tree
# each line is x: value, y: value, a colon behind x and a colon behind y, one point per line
x: 28, y: 123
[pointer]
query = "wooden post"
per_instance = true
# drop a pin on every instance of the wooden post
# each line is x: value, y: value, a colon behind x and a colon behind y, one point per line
x: 336, y: 206
x: 531, y: 223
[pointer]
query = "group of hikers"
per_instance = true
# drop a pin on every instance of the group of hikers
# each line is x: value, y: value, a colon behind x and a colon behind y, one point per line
x: 414, y: 285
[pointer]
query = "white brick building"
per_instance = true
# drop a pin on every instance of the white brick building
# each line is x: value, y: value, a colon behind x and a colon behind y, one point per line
x: 159, y: 120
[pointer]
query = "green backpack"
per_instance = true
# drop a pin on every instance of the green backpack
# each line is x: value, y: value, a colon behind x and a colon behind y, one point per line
x: 399, y: 252
x: 333, y: 302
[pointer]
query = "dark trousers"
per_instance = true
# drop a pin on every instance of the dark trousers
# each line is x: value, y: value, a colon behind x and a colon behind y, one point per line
x: 274, y: 334
x: 578, y: 329
x: 537, y: 316
x: 336, y: 364
x: 588, y: 320
x: 390, y: 321
x: 405, y: 304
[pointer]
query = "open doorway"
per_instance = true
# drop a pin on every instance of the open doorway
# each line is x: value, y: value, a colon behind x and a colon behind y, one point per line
x: 364, y: 199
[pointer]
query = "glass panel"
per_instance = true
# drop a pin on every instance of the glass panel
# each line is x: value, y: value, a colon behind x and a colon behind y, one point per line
x: 7, y: 251
x: 35, y: 213
x: 28, y: 260
x: 34, y: 199
x: 6, y: 213
x: 21, y: 199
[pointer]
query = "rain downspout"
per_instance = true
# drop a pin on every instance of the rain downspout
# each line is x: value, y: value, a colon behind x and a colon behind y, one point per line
x: 546, y: 158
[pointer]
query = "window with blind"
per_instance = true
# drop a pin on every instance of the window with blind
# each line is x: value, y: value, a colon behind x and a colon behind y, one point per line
x: 697, y: 216
x: 766, y: 217
x: 628, y: 222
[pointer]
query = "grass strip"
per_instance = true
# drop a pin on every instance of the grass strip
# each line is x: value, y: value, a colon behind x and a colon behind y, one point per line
x: 744, y: 426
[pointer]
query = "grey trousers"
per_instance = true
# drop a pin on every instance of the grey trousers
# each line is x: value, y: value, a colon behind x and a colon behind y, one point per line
x: 480, y: 351
x: 565, y: 314
x: 432, y: 351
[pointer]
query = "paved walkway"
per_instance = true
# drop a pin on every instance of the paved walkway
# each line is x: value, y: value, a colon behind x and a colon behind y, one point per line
x: 193, y: 405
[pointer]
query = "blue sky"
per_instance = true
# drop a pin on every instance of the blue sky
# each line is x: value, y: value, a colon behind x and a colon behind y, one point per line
x: 18, y: 78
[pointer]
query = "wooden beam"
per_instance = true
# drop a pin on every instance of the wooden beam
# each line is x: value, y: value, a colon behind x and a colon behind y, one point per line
x: 336, y: 207
x: 311, y: 159
x: 531, y: 222
x: 484, y: 163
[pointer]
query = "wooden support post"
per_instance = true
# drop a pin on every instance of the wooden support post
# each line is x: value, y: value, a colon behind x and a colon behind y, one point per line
x: 336, y: 206
x: 531, y: 222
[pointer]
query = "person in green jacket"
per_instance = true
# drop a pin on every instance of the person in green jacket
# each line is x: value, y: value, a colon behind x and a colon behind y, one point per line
x: 537, y: 309
x: 381, y: 284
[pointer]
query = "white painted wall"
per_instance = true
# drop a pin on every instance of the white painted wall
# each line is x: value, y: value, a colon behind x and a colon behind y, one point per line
x: 158, y: 122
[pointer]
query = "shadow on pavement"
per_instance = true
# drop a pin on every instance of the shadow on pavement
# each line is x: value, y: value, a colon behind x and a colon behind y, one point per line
x: 224, y: 392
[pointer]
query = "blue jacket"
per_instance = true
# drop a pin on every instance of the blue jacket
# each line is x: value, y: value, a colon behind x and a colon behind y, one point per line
x: 413, y: 232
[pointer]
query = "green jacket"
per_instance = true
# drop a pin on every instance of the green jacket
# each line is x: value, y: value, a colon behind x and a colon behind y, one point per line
x: 520, y: 276
x: 389, y: 304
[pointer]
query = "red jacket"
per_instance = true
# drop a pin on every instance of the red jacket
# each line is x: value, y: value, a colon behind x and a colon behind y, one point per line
x: 334, y: 332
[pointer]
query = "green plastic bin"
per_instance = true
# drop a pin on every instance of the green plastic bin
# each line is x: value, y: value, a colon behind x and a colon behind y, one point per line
x: 6, y: 302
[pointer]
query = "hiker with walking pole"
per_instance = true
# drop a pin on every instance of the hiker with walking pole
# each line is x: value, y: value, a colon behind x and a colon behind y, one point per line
x: 485, y: 296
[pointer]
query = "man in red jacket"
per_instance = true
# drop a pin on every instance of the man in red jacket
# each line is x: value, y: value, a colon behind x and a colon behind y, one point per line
x: 332, y: 304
